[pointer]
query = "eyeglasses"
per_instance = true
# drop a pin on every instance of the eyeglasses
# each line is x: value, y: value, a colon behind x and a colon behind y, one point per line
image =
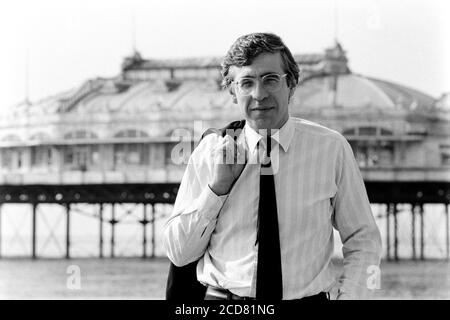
x: 271, y: 82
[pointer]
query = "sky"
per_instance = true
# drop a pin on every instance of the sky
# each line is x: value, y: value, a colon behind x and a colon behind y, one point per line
x: 50, y: 46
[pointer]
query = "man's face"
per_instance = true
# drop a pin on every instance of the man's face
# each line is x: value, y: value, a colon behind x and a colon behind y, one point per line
x: 262, y: 109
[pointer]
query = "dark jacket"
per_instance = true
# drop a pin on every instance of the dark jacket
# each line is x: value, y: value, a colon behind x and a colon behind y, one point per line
x: 182, y: 281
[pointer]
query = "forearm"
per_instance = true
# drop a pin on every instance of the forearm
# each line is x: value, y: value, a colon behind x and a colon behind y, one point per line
x: 359, y: 233
x: 187, y: 232
x: 361, y: 269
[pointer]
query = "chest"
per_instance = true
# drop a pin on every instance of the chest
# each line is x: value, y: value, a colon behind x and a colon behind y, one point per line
x: 304, y: 187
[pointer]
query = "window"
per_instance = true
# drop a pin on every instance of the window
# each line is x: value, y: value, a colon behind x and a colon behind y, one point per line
x: 80, y: 134
x: 6, y: 158
x: 385, y: 132
x: 367, y: 131
x: 445, y: 154
x: 13, y: 158
x: 131, y: 133
x: 41, y: 156
x: 181, y: 134
x: 385, y: 154
x: 130, y: 154
x: 373, y: 153
x: 156, y: 155
x: 349, y: 132
x: 81, y: 157
x: 178, y: 153
x: 41, y: 136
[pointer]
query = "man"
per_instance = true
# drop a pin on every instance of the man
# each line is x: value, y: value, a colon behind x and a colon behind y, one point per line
x: 263, y: 227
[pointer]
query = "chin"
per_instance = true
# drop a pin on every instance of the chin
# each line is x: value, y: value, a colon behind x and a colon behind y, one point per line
x: 262, y: 124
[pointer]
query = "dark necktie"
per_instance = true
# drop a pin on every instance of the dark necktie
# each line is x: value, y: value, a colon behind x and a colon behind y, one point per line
x: 269, y: 284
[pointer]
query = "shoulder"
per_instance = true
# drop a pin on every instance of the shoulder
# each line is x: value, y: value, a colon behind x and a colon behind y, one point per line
x: 311, y: 128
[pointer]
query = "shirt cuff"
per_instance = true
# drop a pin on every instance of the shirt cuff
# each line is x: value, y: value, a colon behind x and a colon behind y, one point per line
x: 210, y: 203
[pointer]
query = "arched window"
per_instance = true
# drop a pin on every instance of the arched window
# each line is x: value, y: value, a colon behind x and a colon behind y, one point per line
x: 40, y: 136
x: 131, y: 133
x: 134, y: 154
x: 367, y: 131
x: 80, y: 134
x: 181, y: 133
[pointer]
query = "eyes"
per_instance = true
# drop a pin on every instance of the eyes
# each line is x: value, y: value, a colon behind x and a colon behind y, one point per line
x: 271, y: 82
x: 271, y: 79
x: 247, y: 83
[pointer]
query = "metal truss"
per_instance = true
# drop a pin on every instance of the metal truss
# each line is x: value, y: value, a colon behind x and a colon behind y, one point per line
x: 51, y: 229
x: 134, y: 197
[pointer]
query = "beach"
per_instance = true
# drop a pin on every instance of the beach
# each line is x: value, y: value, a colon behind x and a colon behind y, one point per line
x: 135, y: 278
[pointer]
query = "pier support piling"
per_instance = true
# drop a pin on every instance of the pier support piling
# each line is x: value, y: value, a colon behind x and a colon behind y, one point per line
x: 33, y: 231
x: 67, y: 230
x: 413, y: 231
x: 100, y: 240
x: 144, y: 231
x: 422, y: 233
x: 447, y: 234
x: 113, y: 224
x: 395, y: 212
x: 153, y: 230
x: 388, y: 227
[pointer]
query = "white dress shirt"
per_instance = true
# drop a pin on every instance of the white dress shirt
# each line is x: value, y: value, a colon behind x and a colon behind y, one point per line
x: 318, y: 186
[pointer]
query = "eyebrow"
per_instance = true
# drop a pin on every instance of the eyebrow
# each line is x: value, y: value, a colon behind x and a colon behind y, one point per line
x: 261, y: 75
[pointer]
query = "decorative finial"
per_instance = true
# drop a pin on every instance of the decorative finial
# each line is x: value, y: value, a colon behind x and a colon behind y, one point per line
x: 27, y: 78
x: 133, y: 32
x: 336, y: 20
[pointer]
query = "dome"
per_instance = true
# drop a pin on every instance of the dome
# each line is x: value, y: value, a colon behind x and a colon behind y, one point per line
x: 357, y: 91
x: 157, y: 96
x: 128, y: 128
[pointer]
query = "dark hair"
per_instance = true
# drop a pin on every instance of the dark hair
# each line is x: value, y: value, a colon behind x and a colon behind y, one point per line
x: 246, y: 48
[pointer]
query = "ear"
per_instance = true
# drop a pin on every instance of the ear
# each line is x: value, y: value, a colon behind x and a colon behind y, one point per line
x: 233, y: 94
x: 291, y: 93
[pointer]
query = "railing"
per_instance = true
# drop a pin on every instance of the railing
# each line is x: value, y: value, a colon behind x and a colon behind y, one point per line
x: 86, y: 89
x: 173, y: 174
x: 162, y: 175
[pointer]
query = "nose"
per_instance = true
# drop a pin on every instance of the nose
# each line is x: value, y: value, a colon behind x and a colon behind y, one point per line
x: 259, y: 93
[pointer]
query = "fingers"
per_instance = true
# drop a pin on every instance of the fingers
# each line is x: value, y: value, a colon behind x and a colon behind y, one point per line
x: 241, y: 154
x: 229, y: 152
x: 224, y: 153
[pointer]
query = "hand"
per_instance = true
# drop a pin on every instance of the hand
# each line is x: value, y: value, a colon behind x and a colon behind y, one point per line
x: 228, y: 163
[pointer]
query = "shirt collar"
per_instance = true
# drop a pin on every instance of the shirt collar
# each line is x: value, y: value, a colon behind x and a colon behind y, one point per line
x: 283, y: 136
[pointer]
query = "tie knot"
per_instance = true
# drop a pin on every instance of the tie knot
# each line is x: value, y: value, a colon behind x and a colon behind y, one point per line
x: 269, y: 146
x: 266, y: 144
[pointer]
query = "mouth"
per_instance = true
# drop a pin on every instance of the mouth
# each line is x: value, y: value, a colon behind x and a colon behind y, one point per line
x: 262, y: 108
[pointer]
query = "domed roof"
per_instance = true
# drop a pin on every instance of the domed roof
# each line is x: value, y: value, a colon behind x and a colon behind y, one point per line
x: 357, y: 91
x: 156, y: 95
x: 191, y: 87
